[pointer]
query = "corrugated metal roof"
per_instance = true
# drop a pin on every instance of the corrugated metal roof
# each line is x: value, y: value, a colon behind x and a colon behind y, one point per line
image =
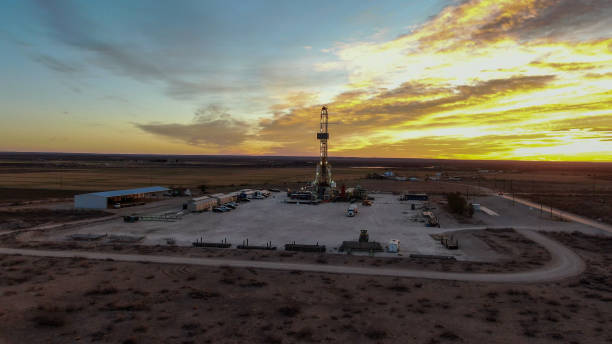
x: 115, y: 193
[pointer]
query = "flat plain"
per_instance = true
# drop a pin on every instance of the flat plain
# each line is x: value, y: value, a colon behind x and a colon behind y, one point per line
x: 59, y: 300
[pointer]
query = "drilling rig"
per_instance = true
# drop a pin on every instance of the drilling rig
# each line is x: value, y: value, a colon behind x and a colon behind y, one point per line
x: 323, y: 182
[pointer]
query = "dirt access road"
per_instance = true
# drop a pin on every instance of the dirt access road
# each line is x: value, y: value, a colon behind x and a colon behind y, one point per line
x: 556, y: 212
x: 562, y: 214
x: 564, y: 263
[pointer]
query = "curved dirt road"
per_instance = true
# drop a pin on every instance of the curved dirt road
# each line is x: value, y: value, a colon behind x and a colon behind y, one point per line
x: 564, y: 263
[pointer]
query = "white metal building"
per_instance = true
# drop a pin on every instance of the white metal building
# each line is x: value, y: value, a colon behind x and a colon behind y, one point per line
x: 106, y: 199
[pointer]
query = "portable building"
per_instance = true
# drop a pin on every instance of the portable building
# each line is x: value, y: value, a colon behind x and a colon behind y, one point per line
x: 202, y: 203
x: 223, y: 198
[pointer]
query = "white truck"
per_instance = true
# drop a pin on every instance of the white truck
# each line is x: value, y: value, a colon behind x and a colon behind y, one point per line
x: 393, y: 246
x: 352, y: 210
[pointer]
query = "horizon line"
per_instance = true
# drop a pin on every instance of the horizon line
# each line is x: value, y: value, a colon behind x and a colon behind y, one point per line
x: 302, y: 156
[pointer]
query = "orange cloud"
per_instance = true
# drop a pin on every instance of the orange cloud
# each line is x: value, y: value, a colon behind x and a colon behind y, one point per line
x: 489, y: 79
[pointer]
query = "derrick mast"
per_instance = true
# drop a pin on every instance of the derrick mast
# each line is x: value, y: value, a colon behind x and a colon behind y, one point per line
x: 323, y: 180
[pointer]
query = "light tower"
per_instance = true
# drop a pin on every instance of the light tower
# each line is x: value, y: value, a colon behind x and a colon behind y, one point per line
x: 323, y: 182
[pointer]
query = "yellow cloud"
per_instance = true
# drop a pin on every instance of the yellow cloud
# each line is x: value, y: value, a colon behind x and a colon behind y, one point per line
x: 482, y: 80
x: 511, y: 79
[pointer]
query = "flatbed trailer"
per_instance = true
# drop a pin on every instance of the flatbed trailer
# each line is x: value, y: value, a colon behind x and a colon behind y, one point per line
x: 125, y: 238
x: 245, y: 246
x: 304, y: 248
x: 256, y: 247
x: 164, y: 218
x: 202, y: 243
x: 432, y: 256
x: 86, y: 237
x: 360, y: 246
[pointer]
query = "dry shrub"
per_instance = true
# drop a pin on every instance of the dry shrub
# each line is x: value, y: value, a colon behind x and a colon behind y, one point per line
x: 227, y: 281
x: 13, y: 262
x: 48, y: 321
x: 48, y: 317
x: 270, y: 339
x: 375, y: 334
x: 289, y: 311
x: 254, y: 284
x: 101, y: 291
x: 448, y: 335
x: 141, y: 329
x: 119, y: 306
x: 199, y: 294
x: 304, y: 334
x: 399, y: 288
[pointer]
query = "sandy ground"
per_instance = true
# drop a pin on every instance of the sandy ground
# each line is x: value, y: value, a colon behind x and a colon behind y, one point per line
x: 53, y: 300
x: 497, y: 250
x: 46, y: 300
x: 271, y: 219
x: 28, y: 217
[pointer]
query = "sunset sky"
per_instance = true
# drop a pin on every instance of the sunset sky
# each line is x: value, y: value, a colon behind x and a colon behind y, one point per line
x: 520, y: 79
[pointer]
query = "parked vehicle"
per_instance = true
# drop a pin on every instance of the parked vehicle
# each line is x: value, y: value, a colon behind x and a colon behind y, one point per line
x: 229, y: 205
x: 430, y: 219
x: 364, y: 236
x: 220, y: 210
x: 131, y: 218
x: 393, y: 246
x: 352, y: 210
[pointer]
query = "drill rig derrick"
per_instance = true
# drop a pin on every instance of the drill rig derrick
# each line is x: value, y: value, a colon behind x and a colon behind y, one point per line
x: 323, y: 182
